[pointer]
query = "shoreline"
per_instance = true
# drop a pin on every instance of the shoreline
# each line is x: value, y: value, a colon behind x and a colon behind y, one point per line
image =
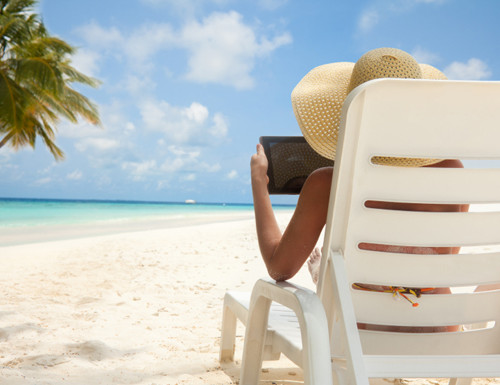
x: 14, y: 236
x: 40, y: 220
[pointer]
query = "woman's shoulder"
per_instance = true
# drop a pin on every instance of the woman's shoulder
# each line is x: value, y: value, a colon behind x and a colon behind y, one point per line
x: 322, y: 173
x: 317, y: 185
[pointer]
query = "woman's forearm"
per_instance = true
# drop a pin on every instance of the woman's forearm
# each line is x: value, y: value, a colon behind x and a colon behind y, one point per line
x: 268, y: 231
x: 285, y: 254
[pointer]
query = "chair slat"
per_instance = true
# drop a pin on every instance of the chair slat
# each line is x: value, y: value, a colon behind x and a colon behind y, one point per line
x: 431, y: 185
x: 424, y: 120
x: 415, y: 270
x: 424, y: 228
x: 433, y: 309
x: 484, y: 342
x: 432, y: 366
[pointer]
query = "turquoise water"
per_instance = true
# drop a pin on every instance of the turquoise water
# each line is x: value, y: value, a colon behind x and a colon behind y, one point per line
x: 16, y: 213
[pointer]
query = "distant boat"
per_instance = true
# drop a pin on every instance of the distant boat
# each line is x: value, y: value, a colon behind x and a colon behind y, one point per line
x: 190, y: 201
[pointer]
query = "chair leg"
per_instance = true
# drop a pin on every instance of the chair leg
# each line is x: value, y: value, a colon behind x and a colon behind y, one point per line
x: 228, y: 334
x: 316, y: 356
x: 460, y: 381
x: 255, y: 338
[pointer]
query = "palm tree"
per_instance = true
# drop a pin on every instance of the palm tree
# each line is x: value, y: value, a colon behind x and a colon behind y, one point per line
x: 35, y: 80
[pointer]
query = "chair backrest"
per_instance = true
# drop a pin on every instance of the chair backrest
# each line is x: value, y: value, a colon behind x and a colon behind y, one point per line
x: 418, y: 119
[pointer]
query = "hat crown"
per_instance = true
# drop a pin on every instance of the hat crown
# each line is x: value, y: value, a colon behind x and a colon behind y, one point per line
x: 318, y: 98
x: 384, y: 63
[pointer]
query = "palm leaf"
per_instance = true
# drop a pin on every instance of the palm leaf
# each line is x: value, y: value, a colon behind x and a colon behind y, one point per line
x: 81, y: 105
x: 40, y: 72
x: 10, y: 102
x: 16, y: 7
x: 73, y: 75
x: 47, y: 134
x: 35, y: 80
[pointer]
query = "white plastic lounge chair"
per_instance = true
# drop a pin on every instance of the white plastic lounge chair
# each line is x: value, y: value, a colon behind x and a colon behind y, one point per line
x: 407, y: 118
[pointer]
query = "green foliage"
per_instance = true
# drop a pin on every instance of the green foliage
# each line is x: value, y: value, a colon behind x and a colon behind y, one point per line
x: 35, y: 80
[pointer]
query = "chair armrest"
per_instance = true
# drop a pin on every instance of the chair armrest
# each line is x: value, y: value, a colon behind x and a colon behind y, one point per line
x: 297, y: 298
x: 312, y: 321
x: 304, y: 302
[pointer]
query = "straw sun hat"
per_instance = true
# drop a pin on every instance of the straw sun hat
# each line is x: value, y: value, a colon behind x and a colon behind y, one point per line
x: 317, y: 99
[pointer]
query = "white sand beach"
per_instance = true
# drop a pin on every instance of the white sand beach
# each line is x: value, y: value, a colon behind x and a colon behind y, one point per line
x: 141, y: 307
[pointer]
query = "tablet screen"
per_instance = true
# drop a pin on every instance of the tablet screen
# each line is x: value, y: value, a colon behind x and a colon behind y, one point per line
x: 291, y: 160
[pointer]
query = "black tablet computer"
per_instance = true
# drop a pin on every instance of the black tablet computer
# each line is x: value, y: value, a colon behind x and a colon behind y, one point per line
x: 291, y: 160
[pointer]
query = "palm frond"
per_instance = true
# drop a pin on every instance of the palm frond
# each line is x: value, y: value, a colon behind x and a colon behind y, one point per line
x: 22, y: 137
x: 10, y: 100
x: 16, y: 7
x: 47, y: 134
x: 41, y: 72
x: 81, y: 105
x: 35, y: 80
x: 73, y: 75
x: 10, y: 28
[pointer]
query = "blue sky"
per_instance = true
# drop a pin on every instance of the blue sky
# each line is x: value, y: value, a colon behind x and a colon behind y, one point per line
x: 188, y: 86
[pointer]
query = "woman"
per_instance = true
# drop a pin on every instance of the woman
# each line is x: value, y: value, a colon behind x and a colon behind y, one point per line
x: 284, y: 254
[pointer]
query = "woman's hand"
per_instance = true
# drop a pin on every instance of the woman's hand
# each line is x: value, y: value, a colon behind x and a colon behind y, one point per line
x: 258, y: 167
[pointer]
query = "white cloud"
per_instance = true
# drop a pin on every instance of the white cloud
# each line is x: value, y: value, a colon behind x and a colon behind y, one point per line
x: 186, y: 160
x: 181, y: 159
x: 210, y: 167
x: 79, y: 130
x: 5, y: 153
x: 147, y: 41
x: 424, y: 57
x: 75, y: 175
x: 114, y: 133
x: 48, y: 170
x: 139, y: 170
x: 223, y: 49
x: 162, y: 184
x: 196, y: 113
x: 183, y: 125
x: 129, y: 126
x: 137, y: 47
x: 474, y: 69
x: 99, y: 37
x: 86, y: 61
x: 379, y: 10
x: 11, y: 170
x: 233, y: 174
x: 138, y: 84
x: 42, y: 181
x: 97, y: 144
x: 189, y: 177
x: 369, y: 18
x: 220, y: 127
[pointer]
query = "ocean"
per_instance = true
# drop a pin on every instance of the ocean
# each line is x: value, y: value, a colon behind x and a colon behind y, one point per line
x: 35, y: 220
x: 40, y: 212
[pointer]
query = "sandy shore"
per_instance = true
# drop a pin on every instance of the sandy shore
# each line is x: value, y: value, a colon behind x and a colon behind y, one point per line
x: 132, y: 308
x: 139, y: 308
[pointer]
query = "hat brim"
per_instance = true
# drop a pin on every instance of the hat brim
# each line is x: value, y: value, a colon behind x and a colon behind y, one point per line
x: 317, y: 104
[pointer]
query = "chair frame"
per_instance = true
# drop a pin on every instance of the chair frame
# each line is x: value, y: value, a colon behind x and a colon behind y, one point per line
x: 395, y: 118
